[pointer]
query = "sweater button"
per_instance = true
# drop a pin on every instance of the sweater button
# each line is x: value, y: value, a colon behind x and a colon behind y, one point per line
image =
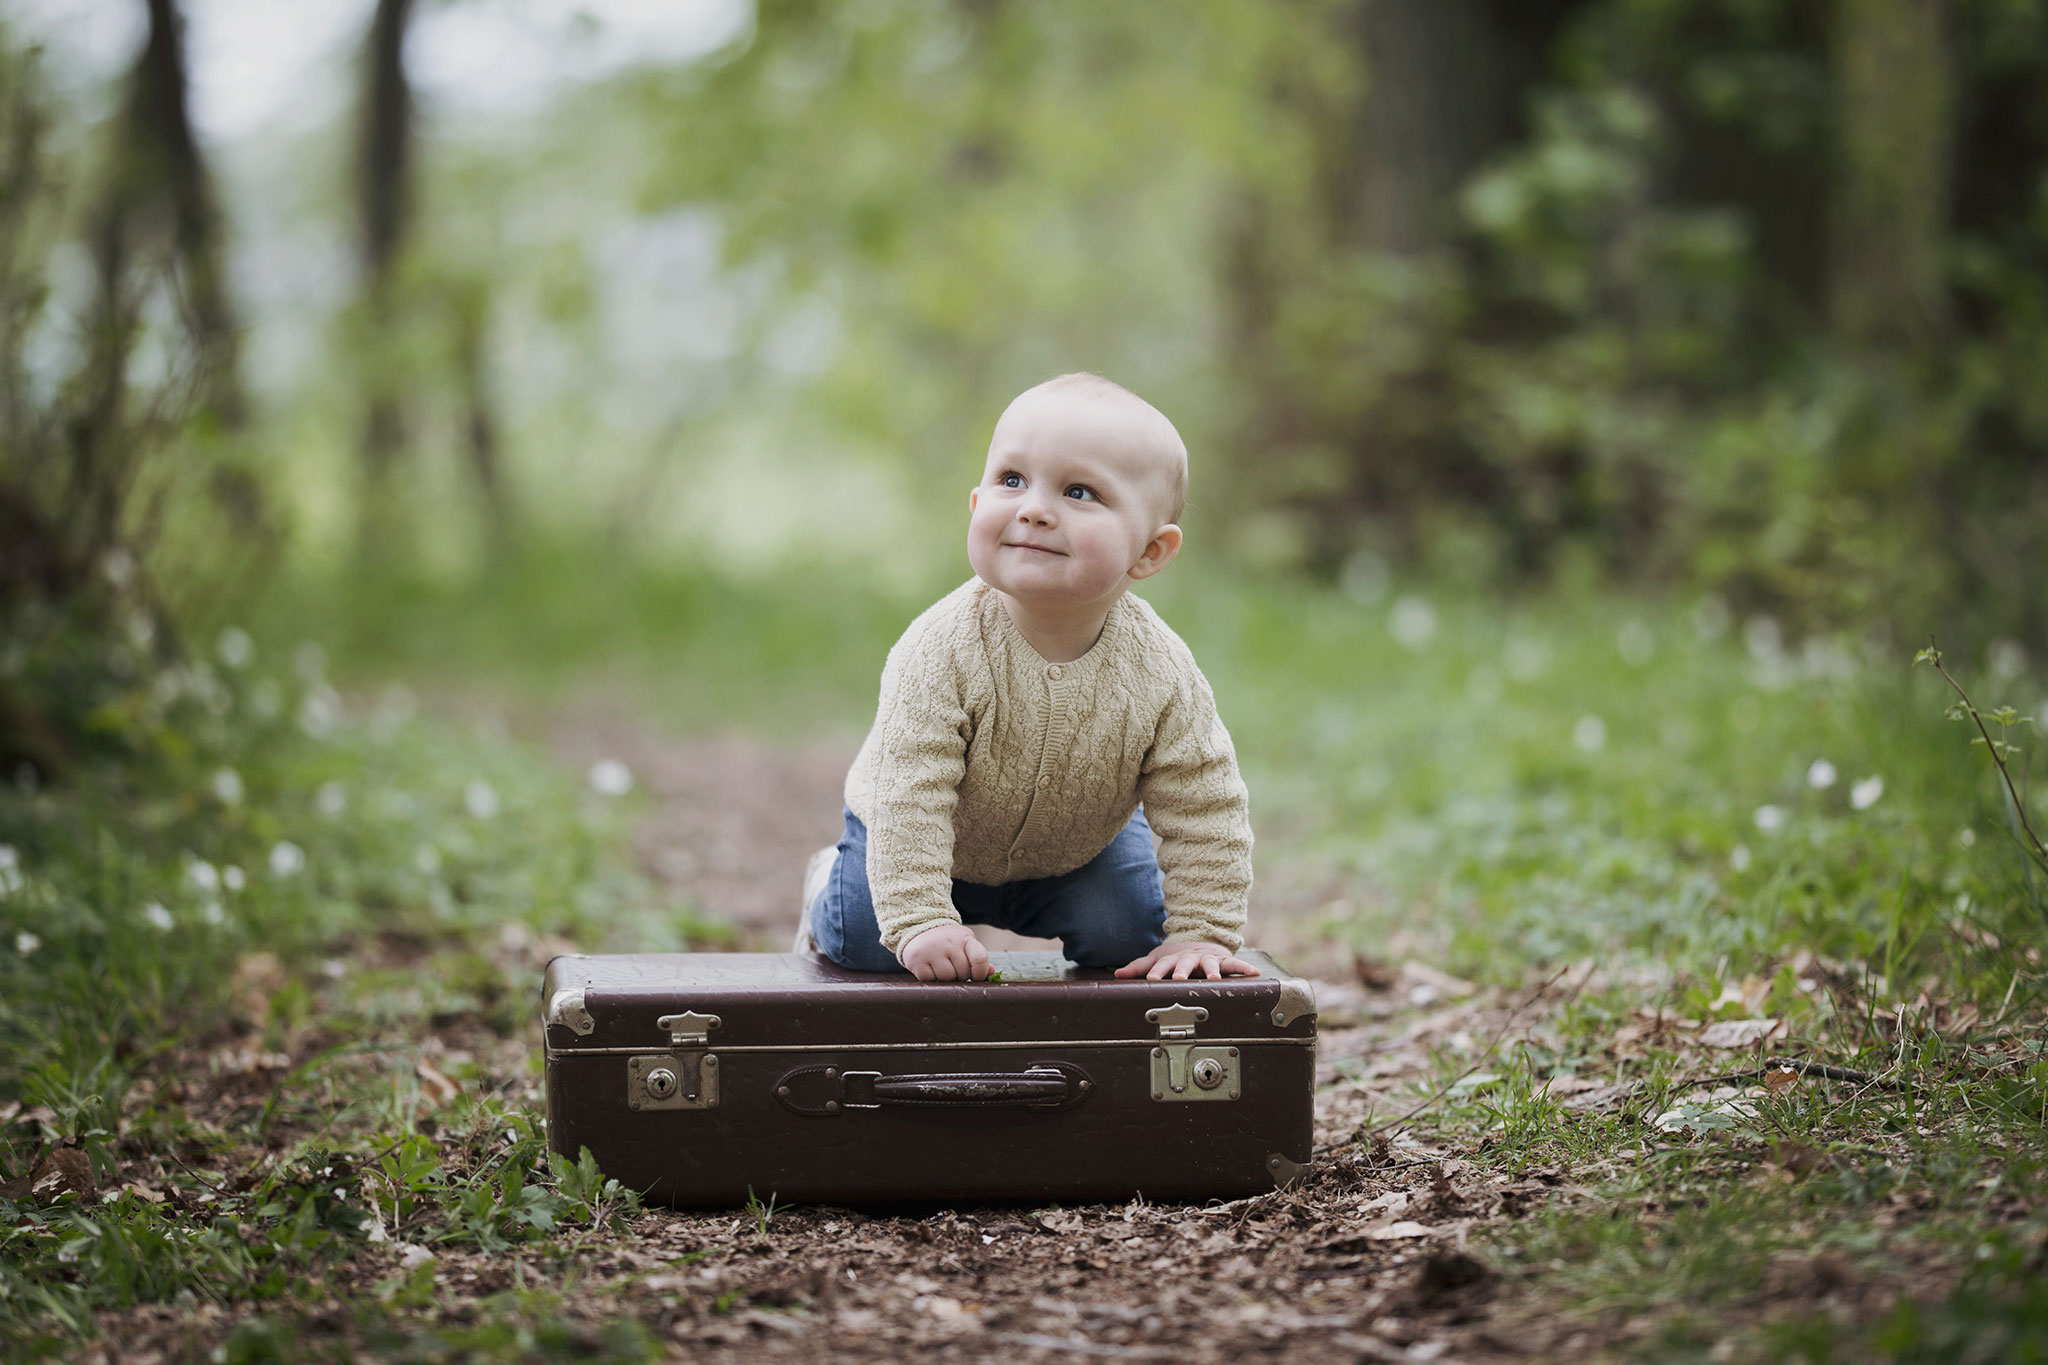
x: 1053, y: 672
x: 1045, y: 781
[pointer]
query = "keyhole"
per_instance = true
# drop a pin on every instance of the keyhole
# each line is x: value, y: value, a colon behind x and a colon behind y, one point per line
x: 1208, y: 1073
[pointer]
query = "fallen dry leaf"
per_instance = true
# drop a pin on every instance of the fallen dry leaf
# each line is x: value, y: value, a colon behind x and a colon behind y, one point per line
x: 437, y: 1086
x: 1393, y: 1232
x: 1780, y: 1079
x: 1738, y: 1033
x: 64, y: 1169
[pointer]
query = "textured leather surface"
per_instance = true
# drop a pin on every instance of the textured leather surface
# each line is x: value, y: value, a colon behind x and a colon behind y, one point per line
x: 1117, y: 1143
x: 784, y: 999
x: 1120, y: 1143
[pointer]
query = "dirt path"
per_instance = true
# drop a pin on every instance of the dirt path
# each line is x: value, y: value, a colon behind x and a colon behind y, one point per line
x: 1365, y: 1260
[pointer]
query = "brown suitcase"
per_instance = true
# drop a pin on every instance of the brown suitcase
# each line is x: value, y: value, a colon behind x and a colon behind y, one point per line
x: 702, y: 1078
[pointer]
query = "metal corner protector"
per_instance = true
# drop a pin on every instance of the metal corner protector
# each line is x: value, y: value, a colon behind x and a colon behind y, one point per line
x: 1297, y: 1001
x: 566, y: 1008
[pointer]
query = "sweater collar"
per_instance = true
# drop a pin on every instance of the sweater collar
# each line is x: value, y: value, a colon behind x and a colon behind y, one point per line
x: 1112, y: 625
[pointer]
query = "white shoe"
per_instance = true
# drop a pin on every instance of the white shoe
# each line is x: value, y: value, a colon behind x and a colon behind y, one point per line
x: 815, y: 874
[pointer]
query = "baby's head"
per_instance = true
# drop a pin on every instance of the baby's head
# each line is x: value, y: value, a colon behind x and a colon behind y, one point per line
x: 1080, y: 496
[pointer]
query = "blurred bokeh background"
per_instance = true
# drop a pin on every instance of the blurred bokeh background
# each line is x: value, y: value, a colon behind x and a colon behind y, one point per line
x: 1702, y: 296
x: 1585, y: 391
x: 462, y: 463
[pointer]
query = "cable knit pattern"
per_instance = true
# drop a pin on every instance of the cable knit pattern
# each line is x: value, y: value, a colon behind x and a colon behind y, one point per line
x: 989, y: 764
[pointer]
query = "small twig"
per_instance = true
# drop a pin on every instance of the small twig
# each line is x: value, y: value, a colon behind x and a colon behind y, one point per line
x: 2019, y: 807
x: 1492, y: 1046
x: 1823, y: 1070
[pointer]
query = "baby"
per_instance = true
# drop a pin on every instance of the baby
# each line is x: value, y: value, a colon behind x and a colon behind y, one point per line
x: 1038, y: 724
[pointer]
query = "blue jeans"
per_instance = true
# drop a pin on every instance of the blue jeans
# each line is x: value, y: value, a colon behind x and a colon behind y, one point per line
x: 1109, y: 911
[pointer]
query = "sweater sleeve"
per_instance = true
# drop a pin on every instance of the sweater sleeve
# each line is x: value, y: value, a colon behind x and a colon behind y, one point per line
x: 1198, y: 806
x: 919, y: 756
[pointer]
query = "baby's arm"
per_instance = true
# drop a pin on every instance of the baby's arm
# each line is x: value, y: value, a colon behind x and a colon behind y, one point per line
x: 1197, y: 804
x: 918, y: 759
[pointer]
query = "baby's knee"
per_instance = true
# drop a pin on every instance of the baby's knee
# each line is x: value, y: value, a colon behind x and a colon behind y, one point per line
x: 1116, y: 934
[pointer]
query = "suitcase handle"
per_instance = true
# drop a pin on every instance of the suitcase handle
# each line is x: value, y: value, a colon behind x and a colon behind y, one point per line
x: 823, y: 1090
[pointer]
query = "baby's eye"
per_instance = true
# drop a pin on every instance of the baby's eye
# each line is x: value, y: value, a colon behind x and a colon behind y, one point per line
x: 1081, y: 492
x: 1011, y: 480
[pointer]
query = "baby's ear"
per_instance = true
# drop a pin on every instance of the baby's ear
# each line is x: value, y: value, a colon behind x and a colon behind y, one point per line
x: 1158, y: 552
x: 973, y: 499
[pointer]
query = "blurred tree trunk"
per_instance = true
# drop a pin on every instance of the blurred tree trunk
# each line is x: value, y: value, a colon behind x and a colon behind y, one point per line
x: 1435, y: 105
x: 384, y: 184
x: 159, y: 172
x: 472, y: 304
x: 1889, y: 207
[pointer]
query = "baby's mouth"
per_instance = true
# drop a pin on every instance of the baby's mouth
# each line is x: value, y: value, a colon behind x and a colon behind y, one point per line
x: 1042, y: 549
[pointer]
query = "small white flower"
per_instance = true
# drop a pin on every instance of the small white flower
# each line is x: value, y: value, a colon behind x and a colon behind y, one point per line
x: 1635, y: 643
x: 1864, y: 794
x: 11, y: 878
x: 119, y: 567
x: 1525, y: 657
x: 1590, y: 733
x: 157, y: 915
x: 309, y: 661
x: 213, y: 914
x: 415, y: 1255
x: 1769, y: 818
x: 1413, y: 623
x: 427, y: 859
x: 1821, y: 774
x: 26, y: 943
x: 235, y: 647
x: 1763, y: 639
x: 202, y: 875
x: 331, y: 799
x: 481, y: 799
x: 609, y: 777
x: 334, y: 969
x: 320, y: 711
x: 287, y: 859
x: 233, y: 878
x: 1711, y: 618
x: 1967, y: 837
x: 227, y: 785
x: 1739, y: 858
x: 9, y: 857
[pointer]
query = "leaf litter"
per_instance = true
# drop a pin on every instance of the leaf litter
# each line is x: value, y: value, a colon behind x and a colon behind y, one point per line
x: 1391, y: 1248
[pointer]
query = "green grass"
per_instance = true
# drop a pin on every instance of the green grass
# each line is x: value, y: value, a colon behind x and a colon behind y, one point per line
x: 1442, y: 799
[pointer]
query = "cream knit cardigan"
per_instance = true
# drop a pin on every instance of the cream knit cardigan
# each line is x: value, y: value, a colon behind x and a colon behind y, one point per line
x: 989, y: 764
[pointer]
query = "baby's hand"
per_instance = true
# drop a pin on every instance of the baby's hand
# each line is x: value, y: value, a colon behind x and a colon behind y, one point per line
x: 1182, y: 961
x: 946, y: 952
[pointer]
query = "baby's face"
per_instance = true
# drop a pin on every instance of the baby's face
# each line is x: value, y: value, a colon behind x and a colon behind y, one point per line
x: 1072, y: 500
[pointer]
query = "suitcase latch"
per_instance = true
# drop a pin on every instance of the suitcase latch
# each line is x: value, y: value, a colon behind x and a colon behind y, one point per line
x: 684, y: 1077
x: 1183, y: 1071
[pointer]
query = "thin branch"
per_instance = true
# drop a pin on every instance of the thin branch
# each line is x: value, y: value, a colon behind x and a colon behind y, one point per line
x: 2019, y: 807
x: 1492, y: 1046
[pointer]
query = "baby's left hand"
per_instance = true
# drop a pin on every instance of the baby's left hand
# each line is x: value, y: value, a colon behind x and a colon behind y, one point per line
x: 1184, y: 961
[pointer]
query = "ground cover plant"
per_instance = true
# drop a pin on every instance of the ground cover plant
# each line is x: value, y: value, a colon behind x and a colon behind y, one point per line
x: 1681, y: 997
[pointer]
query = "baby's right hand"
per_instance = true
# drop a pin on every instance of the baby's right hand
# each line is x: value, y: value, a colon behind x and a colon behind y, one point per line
x: 947, y: 952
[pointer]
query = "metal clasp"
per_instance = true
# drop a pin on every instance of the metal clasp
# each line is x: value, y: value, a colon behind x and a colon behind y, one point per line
x: 1177, y: 1060
x: 688, y: 1029
x: 1176, y: 1021
x: 684, y: 1077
